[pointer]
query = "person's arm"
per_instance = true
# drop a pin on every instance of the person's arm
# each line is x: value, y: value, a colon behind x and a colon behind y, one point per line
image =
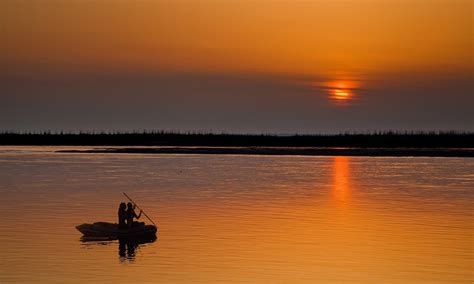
x: 134, y: 214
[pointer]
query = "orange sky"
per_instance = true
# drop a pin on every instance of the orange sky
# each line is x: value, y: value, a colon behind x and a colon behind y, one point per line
x: 258, y: 55
x: 303, y: 37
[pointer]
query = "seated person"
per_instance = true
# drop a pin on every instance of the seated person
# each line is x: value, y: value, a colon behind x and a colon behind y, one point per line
x: 131, y: 214
x: 122, y: 216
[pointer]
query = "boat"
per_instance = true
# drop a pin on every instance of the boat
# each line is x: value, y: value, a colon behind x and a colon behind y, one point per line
x: 107, y: 230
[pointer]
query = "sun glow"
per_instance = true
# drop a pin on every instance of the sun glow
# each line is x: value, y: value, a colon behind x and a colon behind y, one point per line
x: 341, y: 91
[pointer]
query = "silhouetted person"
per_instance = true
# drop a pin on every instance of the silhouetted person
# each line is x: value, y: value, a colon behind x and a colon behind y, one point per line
x: 131, y: 214
x: 122, y: 216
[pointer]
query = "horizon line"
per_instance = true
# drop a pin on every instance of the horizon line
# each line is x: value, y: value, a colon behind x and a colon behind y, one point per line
x: 225, y: 133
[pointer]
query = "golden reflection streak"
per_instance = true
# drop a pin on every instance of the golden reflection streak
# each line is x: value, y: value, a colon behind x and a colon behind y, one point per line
x: 341, y: 181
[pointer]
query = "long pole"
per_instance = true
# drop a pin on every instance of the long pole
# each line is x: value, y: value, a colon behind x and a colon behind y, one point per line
x: 139, y: 208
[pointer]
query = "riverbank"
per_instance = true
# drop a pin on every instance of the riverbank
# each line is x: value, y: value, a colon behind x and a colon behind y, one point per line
x: 396, y: 140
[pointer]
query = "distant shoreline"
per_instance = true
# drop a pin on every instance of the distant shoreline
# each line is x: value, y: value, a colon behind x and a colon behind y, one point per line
x: 287, y: 151
x: 379, y: 140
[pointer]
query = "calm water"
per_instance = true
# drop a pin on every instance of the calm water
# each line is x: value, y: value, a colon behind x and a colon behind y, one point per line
x: 262, y: 219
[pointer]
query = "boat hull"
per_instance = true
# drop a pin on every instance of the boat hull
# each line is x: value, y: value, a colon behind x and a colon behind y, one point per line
x: 112, y: 231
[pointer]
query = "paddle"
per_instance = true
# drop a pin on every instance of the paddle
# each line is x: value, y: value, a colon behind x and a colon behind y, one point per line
x: 139, y: 208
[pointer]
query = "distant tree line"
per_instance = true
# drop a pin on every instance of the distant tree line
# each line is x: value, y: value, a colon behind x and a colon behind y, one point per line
x: 382, y: 139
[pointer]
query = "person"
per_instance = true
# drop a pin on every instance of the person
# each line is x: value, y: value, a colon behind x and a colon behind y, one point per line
x: 131, y: 214
x: 122, y: 216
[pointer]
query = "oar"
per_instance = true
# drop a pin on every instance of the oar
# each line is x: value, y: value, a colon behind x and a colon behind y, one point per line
x: 139, y: 208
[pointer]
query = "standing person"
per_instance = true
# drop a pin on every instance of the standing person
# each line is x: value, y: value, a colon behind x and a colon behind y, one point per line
x: 122, y: 216
x: 131, y: 214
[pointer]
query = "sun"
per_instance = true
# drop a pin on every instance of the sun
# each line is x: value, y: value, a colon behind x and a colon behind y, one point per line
x: 341, y: 92
x: 340, y: 95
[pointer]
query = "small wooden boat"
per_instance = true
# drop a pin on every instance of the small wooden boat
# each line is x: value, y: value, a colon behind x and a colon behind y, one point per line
x: 112, y: 231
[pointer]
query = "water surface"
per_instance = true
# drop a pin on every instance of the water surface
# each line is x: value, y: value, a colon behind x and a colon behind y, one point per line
x: 231, y: 218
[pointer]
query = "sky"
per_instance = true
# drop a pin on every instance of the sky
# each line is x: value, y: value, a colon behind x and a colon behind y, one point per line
x: 239, y: 66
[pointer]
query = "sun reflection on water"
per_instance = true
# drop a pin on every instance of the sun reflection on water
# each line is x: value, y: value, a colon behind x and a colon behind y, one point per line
x: 341, y: 181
